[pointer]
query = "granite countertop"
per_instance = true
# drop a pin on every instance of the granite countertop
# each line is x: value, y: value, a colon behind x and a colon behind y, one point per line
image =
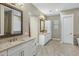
x: 7, y: 45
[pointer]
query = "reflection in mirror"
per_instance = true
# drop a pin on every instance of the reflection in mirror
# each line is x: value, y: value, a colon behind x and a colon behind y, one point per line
x: 16, y: 22
x: 1, y: 20
x: 7, y: 20
x: 10, y: 21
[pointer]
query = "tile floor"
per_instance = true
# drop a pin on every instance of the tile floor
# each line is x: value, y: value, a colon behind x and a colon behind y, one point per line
x: 55, y: 48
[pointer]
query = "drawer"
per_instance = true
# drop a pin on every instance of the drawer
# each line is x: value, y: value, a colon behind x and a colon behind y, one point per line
x: 4, y: 53
x: 29, y: 48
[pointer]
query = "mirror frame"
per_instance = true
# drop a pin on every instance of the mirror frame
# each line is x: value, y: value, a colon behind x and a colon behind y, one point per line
x: 12, y: 7
x: 42, y: 30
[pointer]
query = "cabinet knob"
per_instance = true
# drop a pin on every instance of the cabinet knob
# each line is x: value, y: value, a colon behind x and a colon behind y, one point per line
x: 22, y: 53
x: 35, y: 44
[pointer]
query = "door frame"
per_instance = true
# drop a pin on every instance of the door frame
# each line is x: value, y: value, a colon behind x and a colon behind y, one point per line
x: 65, y: 15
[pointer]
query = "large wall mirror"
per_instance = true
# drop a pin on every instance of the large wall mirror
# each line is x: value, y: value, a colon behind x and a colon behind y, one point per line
x: 10, y: 21
x: 42, y: 25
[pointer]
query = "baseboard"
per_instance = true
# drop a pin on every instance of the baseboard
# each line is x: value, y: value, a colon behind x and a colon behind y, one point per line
x: 55, y: 38
x: 61, y: 41
x: 66, y: 43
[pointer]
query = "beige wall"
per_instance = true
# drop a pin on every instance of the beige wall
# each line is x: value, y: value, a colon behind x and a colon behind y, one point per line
x: 34, y: 12
x: 55, y: 31
x: 28, y: 7
x: 76, y: 18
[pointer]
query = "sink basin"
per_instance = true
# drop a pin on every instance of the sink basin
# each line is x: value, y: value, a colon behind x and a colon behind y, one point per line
x: 22, y: 40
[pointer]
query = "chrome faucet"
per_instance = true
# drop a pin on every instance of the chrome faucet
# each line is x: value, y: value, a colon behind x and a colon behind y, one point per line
x: 12, y: 40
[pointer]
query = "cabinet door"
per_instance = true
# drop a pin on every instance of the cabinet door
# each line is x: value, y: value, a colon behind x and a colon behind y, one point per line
x: 50, y: 36
x: 18, y: 53
x: 21, y: 52
x: 48, y: 25
x: 46, y: 38
x: 42, y: 39
x: 4, y: 53
x: 29, y: 49
x: 15, y: 51
x: 26, y: 49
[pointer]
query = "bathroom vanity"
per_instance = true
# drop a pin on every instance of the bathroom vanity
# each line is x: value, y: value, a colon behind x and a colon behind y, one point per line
x: 23, y: 47
x: 46, y: 32
x: 44, y: 38
x: 11, y: 24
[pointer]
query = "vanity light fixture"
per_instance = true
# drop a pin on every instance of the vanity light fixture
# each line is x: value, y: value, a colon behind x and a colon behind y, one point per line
x: 42, y: 17
x: 56, y: 9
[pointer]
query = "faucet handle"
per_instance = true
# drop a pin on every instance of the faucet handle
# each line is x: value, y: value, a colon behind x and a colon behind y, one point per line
x: 15, y: 39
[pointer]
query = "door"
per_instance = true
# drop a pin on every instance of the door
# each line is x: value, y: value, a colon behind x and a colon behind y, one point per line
x: 34, y: 26
x: 67, y: 28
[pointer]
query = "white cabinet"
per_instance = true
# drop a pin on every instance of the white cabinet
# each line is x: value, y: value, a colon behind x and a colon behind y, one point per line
x: 25, y: 49
x: 29, y: 49
x: 44, y: 38
x: 48, y: 26
x: 16, y: 51
x: 4, y: 53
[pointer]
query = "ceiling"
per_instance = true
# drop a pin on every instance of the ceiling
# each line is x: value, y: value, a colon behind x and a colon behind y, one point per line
x: 50, y: 9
